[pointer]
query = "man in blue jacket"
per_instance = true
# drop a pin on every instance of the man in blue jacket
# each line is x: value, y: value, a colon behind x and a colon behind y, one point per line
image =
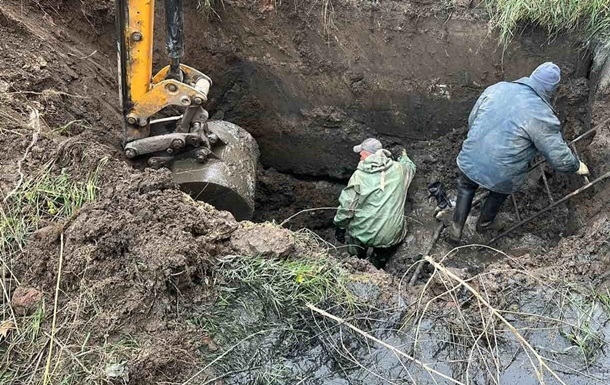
x: 510, y: 123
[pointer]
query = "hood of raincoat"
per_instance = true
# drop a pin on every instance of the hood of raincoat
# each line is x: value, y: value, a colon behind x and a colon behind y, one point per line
x: 377, y: 162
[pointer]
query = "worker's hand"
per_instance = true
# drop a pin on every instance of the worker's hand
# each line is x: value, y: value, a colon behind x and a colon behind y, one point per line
x: 583, y: 169
x: 340, y: 235
x: 398, y: 152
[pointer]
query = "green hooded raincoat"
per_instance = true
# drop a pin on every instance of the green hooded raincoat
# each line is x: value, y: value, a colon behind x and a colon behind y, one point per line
x: 373, y: 203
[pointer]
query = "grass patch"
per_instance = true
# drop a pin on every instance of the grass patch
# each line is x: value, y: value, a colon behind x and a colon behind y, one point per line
x: 590, y: 18
x: 284, y: 286
x: 271, y: 289
x: 260, y: 311
x: 48, y: 196
x: 584, y: 311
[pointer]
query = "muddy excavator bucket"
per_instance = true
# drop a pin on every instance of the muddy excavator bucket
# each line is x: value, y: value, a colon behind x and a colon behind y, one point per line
x: 228, y: 177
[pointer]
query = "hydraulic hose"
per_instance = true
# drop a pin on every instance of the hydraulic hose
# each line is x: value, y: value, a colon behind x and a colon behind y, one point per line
x: 175, y: 36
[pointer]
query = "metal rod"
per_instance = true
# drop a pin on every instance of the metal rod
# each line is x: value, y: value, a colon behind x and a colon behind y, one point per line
x: 166, y: 120
x: 175, y: 36
x: 565, y: 198
x: 420, y: 264
x: 512, y: 196
x: 546, y: 185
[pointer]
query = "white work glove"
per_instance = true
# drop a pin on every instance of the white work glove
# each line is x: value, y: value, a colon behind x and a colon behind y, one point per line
x: 583, y: 169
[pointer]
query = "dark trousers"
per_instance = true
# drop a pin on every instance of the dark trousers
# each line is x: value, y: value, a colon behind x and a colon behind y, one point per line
x: 380, y: 256
x: 466, y: 190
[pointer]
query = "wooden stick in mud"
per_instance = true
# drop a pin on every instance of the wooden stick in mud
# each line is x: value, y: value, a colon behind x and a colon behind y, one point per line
x: 420, y: 264
x: 537, y: 214
x: 524, y: 343
x: 425, y: 366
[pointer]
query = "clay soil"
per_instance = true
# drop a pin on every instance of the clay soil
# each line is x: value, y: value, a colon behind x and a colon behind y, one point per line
x: 138, y: 261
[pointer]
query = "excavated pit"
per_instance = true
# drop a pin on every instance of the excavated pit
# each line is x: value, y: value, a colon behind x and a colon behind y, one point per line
x: 407, y: 74
x: 395, y: 72
x: 143, y: 266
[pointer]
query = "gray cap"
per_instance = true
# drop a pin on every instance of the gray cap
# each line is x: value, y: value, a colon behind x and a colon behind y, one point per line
x: 371, y: 145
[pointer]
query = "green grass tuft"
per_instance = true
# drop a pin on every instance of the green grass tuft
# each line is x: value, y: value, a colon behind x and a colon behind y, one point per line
x: 207, y: 7
x: 51, y: 196
x: 48, y: 197
x: 260, y: 311
x: 285, y: 286
x: 590, y: 18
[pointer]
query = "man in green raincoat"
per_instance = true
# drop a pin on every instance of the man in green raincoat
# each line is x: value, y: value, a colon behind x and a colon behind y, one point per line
x: 371, y: 211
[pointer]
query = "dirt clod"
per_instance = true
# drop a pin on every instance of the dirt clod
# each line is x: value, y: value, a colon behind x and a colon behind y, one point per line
x: 26, y: 300
x: 263, y: 240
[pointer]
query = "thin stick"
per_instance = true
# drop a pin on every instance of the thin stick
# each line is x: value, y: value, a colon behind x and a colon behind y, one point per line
x: 512, y: 197
x: 385, y: 345
x: 420, y: 264
x: 495, y: 312
x: 64, y: 348
x: 331, y: 208
x: 565, y: 198
x: 574, y: 141
x: 53, y: 328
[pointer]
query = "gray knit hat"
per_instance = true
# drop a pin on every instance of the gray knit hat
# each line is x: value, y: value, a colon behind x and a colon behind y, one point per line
x: 547, y: 75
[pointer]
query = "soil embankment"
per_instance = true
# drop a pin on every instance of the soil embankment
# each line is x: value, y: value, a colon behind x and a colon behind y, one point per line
x: 115, y: 275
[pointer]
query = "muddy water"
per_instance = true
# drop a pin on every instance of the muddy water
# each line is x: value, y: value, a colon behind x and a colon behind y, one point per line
x: 322, y: 353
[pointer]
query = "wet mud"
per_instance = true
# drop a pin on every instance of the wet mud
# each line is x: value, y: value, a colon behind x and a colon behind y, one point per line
x: 144, y: 267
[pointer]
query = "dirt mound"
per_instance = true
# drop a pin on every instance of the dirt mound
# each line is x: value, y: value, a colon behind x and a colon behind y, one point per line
x: 134, y: 262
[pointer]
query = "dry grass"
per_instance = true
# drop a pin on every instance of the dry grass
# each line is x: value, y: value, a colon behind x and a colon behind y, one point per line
x: 42, y: 349
x: 590, y: 18
x: 472, y: 329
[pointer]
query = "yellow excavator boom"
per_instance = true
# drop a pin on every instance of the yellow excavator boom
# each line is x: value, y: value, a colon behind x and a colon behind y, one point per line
x: 202, y: 155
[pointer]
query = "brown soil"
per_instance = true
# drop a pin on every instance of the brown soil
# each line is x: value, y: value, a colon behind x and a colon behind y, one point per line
x: 405, y: 71
x: 134, y: 263
x: 139, y: 260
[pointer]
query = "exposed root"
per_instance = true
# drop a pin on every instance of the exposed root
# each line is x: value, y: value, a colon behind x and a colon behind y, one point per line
x: 35, y: 125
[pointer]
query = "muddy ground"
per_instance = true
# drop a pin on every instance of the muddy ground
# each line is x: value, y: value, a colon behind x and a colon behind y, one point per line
x: 140, y: 260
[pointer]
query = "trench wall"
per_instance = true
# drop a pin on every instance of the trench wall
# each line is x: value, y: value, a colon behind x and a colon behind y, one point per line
x: 309, y: 86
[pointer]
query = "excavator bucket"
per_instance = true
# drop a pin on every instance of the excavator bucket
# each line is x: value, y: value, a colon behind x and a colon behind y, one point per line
x: 227, y: 179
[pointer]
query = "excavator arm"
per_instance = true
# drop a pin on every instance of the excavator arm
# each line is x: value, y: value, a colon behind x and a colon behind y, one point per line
x: 143, y: 95
x: 202, y: 154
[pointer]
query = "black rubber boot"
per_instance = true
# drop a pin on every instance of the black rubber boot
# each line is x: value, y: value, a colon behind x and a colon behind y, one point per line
x: 455, y: 233
x: 465, y: 195
x: 381, y: 255
x: 489, y: 211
